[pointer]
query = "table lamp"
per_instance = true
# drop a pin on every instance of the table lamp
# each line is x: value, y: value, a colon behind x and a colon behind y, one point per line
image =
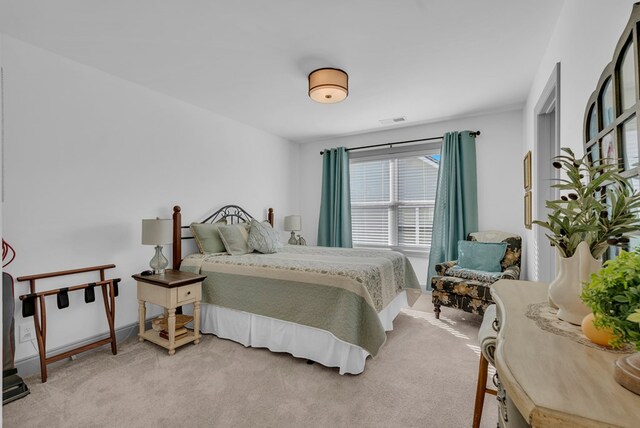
x: 293, y: 223
x: 157, y: 232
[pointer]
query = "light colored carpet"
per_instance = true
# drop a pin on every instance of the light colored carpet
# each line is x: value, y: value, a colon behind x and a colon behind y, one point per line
x: 424, y: 376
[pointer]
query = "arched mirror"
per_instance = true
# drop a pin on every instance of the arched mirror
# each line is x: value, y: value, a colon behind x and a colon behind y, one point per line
x: 611, y: 115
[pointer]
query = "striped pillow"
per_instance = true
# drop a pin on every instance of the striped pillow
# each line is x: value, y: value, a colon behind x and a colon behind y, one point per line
x: 235, y: 237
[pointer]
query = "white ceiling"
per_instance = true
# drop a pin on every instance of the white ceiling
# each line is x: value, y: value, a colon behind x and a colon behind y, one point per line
x: 249, y: 59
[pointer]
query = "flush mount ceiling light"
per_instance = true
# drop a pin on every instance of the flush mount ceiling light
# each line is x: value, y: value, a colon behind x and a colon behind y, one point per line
x: 328, y: 85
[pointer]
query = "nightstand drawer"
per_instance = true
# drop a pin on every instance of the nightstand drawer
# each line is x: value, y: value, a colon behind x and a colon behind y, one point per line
x: 189, y: 293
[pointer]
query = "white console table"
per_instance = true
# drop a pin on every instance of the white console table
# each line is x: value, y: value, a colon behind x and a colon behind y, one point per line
x: 547, y: 380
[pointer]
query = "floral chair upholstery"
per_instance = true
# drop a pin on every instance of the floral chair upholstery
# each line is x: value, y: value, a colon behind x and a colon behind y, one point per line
x: 469, y: 289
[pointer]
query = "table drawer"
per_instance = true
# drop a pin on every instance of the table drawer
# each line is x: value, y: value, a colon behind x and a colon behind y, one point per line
x: 508, y: 414
x: 189, y: 293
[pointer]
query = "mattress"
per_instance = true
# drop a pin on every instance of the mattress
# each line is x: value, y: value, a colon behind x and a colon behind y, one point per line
x: 348, y: 296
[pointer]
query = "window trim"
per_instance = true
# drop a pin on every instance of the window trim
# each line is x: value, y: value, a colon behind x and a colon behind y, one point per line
x: 395, y: 153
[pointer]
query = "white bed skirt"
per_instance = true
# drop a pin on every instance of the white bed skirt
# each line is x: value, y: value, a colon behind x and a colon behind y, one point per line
x: 298, y: 340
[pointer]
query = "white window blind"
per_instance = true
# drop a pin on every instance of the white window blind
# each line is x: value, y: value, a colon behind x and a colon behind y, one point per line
x: 392, y: 199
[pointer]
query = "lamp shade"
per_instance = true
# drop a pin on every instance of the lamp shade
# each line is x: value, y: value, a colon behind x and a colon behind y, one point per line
x: 156, y: 231
x: 293, y: 222
x: 328, y: 85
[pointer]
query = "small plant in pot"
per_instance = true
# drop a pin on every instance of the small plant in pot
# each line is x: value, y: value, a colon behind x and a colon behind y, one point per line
x: 597, y: 209
x: 613, y: 294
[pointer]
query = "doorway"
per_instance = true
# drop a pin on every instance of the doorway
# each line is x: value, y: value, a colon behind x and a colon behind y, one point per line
x: 546, y: 146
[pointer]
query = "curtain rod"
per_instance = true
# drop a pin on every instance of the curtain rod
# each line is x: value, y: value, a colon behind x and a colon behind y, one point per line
x: 474, y: 133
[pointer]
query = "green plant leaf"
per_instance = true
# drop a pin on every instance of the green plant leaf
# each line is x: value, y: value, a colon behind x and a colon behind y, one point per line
x: 634, y: 317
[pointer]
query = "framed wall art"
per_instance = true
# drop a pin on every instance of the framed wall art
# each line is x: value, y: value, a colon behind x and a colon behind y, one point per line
x: 527, y: 210
x: 527, y: 171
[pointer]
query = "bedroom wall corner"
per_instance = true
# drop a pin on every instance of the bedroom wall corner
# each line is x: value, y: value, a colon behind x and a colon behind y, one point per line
x: 1, y: 152
x: 1, y: 133
x: 294, y: 191
x: 1, y: 141
x: 88, y: 155
x: 583, y: 43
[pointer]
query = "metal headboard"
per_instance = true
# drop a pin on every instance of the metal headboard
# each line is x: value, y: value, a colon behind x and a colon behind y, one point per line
x: 231, y: 213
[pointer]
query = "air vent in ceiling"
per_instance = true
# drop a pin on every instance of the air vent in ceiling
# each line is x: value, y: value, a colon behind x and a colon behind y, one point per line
x: 392, y: 121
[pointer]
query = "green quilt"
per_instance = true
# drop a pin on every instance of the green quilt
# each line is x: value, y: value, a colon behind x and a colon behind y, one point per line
x: 340, y: 290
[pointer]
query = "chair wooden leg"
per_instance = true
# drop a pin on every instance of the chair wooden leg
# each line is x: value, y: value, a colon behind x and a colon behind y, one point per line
x: 481, y: 388
x: 436, y: 310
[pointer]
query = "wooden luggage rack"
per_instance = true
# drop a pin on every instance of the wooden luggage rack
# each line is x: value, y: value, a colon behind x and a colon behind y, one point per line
x: 34, y: 304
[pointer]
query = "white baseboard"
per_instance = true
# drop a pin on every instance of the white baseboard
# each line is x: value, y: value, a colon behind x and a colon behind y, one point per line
x: 31, y: 365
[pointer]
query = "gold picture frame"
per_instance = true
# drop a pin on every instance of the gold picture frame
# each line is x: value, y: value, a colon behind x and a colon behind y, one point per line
x: 527, y: 171
x: 527, y: 210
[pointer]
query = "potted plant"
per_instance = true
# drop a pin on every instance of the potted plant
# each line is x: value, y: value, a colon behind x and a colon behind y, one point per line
x: 613, y: 294
x: 597, y: 209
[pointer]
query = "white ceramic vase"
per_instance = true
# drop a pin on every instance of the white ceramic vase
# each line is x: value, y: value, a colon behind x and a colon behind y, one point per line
x: 564, y: 291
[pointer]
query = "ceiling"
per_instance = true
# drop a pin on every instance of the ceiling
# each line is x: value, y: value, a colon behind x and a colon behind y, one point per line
x: 425, y: 60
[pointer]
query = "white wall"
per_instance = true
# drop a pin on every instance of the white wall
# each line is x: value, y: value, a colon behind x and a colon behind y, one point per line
x: 1, y: 166
x: 88, y: 155
x: 499, y: 160
x: 583, y: 42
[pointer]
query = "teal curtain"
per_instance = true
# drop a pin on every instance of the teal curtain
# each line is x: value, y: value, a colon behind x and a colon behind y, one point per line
x: 334, y: 228
x: 456, y: 209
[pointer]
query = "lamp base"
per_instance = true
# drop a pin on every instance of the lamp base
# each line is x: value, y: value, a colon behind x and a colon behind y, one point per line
x: 293, y: 240
x: 159, y: 262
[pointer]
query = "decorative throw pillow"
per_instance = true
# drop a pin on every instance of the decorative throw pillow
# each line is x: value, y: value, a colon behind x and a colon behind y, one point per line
x: 207, y: 237
x: 482, y: 256
x: 235, y: 237
x: 263, y: 238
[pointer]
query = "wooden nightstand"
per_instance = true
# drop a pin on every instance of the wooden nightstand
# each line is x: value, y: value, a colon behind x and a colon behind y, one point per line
x: 170, y: 290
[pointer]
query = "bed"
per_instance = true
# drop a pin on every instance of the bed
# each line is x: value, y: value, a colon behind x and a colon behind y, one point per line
x: 328, y: 305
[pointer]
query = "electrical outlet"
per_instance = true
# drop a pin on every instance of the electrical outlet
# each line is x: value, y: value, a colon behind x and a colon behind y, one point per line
x: 26, y: 333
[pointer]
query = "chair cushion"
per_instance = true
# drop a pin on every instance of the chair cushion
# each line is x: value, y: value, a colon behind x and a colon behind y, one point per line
x: 462, y: 287
x: 478, y: 275
x: 483, y: 256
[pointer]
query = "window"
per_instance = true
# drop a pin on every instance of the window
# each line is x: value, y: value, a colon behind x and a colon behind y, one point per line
x: 392, y: 199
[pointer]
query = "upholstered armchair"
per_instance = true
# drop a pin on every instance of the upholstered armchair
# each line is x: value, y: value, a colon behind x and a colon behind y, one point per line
x: 469, y: 289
